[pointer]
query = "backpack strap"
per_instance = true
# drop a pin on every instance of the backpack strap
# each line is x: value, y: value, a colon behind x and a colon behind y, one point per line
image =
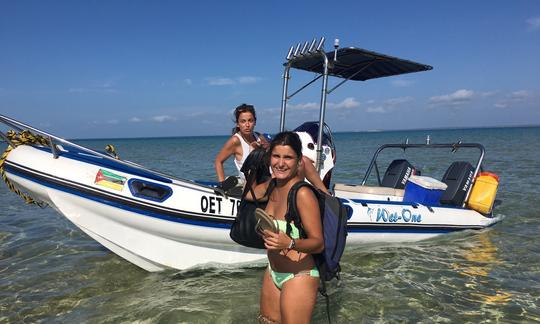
x: 249, y: 188
x: 293, y: 216
x: 292, y: 210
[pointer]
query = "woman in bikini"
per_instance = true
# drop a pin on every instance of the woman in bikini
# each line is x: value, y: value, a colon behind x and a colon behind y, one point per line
x: 241, y: 143
x: 291, y: 280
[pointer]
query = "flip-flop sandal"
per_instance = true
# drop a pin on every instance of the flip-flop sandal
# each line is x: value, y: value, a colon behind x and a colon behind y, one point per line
x: 264, y: 222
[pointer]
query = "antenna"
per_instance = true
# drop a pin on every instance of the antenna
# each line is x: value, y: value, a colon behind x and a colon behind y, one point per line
x: 312, y: 45
x: 289, y: 54
x: 297, y: 49
x: 320, y: 47
x: 304, y: 48
x: 336, y: 46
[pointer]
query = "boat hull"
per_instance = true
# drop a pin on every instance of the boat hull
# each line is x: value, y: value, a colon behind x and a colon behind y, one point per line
x: 191, y: 226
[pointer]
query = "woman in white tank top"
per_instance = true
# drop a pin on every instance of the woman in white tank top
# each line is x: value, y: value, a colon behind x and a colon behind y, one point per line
x: 241, y: 143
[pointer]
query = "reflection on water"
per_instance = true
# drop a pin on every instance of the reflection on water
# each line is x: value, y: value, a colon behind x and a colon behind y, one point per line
x: 480, y: 258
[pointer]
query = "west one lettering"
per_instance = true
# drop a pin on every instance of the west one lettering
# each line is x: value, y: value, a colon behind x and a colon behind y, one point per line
x: 383, y: 215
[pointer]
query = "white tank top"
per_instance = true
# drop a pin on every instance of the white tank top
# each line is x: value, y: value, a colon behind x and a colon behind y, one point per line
x: 245, y: 148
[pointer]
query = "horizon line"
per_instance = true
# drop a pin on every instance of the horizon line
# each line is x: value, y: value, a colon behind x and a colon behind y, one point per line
x: 334, y: 132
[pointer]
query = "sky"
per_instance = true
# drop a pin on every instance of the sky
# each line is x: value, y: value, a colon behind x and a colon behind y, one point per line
x: 109, y: 69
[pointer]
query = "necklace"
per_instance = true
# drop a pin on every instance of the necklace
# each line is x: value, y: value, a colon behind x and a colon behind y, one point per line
x: 249, y: 141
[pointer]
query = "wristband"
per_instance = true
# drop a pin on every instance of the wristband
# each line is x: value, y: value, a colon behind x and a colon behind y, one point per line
x: 292, y: 245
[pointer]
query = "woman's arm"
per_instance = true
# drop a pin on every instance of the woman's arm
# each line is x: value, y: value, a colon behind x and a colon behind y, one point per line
x: 228, y: 149
x: 310, y: 215
x: 312, y: 175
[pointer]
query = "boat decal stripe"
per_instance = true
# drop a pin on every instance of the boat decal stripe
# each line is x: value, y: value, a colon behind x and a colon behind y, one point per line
x: 401, y: 203
x: 197, y: 219
x: 75, y: 154
x: 141, y: 202
x: 353, y: 226
x: 140, y: 171
x: 113, y: 200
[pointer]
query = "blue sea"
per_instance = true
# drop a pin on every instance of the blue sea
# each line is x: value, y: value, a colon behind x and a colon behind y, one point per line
x: 51, y: 272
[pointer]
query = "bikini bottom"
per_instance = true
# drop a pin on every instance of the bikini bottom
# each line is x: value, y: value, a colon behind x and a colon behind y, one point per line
x: 279, y: 278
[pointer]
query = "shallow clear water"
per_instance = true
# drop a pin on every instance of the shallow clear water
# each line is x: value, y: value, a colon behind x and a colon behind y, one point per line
x: 52, y: 272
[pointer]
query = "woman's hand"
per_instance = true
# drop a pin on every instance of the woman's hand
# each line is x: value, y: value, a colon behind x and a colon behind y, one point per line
x: 264, y: 144
x: 255, y: 145
x: 276, y: 241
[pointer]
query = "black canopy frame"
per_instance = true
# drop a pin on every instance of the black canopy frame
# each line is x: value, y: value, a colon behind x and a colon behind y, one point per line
x: 346, y: 63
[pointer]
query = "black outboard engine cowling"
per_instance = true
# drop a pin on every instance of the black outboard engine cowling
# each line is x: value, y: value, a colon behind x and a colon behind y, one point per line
x: 397, y: 174
x: 458, y: 177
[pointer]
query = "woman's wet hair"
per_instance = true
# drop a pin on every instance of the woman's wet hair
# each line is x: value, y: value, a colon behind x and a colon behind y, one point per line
x: 287, y: 139
x: 242, y: 109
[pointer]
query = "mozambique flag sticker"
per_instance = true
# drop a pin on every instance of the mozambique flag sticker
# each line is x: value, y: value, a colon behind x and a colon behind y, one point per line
x: 110, y: 180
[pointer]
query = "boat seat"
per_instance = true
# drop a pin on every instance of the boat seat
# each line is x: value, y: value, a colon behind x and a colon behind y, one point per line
x: 369, y: 189
x: 397, y: 174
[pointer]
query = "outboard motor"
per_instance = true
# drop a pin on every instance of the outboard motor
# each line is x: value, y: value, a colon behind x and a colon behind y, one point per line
x: 458, y: 177
x: 397, y: 174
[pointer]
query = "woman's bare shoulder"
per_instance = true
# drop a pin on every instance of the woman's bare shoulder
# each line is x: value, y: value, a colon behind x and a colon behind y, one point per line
x: 305, y: 198
x: 234, y: 139
x: 305, y: 192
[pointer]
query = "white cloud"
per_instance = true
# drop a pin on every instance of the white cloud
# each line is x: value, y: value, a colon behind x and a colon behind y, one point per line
x: 512, y: 98
x: 188, y: 81
x: 377, y: 110
x: 304, y: 106
x: 248, y: 79
x: 347, y: 103
x: 488, y: 93
x: 200, y: 113
x: 135, y: 120
x: 398, y: 101
x: 457, y: 98
x: 520, y: 95
x: 219, y: 81
x: 112, y: 121
x: 533, y: 23
x: 108, y: 86
x: 402, y: 83
x: 163, y: 118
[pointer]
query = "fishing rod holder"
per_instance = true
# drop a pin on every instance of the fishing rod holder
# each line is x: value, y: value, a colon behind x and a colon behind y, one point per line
x: 304, y: 52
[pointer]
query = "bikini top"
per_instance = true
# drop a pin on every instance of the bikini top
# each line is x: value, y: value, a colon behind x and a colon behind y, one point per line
x: 282, y: 226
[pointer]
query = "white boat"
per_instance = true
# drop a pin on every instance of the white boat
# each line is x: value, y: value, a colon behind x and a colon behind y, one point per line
x: 158, y: 222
